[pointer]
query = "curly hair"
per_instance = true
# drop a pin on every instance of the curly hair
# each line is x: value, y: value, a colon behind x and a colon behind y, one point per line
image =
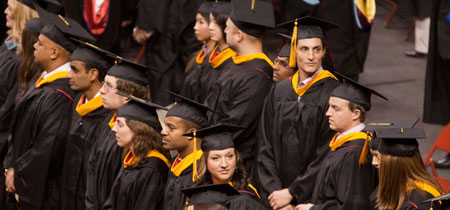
x: 131, y: 88
x: 240, y: 177
x: 145, y: 139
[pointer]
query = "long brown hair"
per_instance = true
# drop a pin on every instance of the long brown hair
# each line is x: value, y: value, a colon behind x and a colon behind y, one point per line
x: 28, y: 68
x: 21, y: 14
x: 145, y: 138
x: 396, y: 174
x: 240, y: 177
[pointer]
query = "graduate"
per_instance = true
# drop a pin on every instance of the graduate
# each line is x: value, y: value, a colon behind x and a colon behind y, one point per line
x: 281, y: 68
x: 346, y: 178
x: 141, y: 180
x: 105, y: 159
x: 42, y: 118
x: 221, y: 163
x: 88, y: 66
x: 238, y: 95
x: 191, y: 88
x: 184, y: 117
x: 399, y: 154
x: 213, y: 196
x: 294, y: 130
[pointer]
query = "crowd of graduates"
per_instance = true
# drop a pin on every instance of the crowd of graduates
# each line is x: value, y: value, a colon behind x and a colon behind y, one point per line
x: 81, y: 127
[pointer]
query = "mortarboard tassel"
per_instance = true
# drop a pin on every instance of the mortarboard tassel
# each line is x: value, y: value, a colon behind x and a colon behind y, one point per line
x: 194, y: 171
x: 363, y: 157
x: 253, y: 4
x: 292, y: 55
x: 65, y: 21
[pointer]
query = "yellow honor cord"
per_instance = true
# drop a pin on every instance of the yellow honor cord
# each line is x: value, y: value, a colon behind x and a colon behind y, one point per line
x: 65, y: 21
x: 292, y: 56
x: 363, y: 157
x: 194, y: 171
x: 253, y: 4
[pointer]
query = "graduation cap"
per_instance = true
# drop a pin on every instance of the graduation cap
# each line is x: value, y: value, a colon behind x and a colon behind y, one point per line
x: 130, y: 71
x: 189, y: 110
x: 356, y: 93
x: 58, y: 29
x: 210, y: 194
x: 388, y: 123
x: 305, y: 28
x: 53, y: 6
x: 93, y: 55
x: 221, y: 7
x: 205, y: 7
x: 140, y: 110
x: 252, y: 16
x: 34, y: 25
x: 400, y: 142
x: 217, y: 137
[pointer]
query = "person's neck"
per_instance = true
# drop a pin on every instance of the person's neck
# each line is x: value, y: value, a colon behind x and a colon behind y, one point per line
x: 304, y: 75
x: 52, y: 65
x: 222, y: 45
x: 218, y: 181
x: 189, y: 149
x: 92, y: 90
x: 210, y: 45
x: 354, y: 124
x: 249, y: 48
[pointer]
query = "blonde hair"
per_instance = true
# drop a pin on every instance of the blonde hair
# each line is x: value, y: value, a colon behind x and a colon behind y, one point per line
x: 396, y: 174
x: 22, y: 14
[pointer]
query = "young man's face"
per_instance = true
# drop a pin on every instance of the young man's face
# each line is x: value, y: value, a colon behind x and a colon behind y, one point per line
x: 309, y: 55
x: 172, y: 134
x: 43, y: 50
x: 339, y: 115
x: 231, y: 32
x: 111, y: 100
x: 281, y: 69
x: 78, y: 78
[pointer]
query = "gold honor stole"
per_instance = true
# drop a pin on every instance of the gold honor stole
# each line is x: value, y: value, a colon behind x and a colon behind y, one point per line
x: 367, y: 8
x: 85, y: 108
x: 335, y: 143
x: 250, y: 186
x: 185, y: 163
x: 245, y: 58
x: 221, y: 57
x: 200, y: 57
x: 112, y: 122
x: 302, y: 90
x: 425, y: 187
x: 130, y: 159
x: 58, y: 75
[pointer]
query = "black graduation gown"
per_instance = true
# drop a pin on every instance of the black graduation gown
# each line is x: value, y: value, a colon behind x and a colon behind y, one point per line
x: 9, y: 68
x: 294, y: 138
x: 39, y: 132
x: 191, y: 85
x: 103, y: 167
x: 139, y: 187
x: 347, y: 45
x: 238, y: 96
x: 247, y: 200
x: 437, y: 88
x: 174, y: 199
x: 373, y: 199
x: 415, y: 201
x: 83, y: 133
x: 342, y: 183
x: 171, y: 50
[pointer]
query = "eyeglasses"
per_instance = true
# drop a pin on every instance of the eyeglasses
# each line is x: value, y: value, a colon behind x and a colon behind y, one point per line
x: 282, y: 63
x: 107, y: 86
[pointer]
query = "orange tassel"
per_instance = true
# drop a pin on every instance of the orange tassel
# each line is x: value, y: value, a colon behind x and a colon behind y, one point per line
x: 292, y: 55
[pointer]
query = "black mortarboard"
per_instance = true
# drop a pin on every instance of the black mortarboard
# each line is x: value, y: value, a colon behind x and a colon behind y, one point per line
x: 221, y: 7
x: 58, y: 29
x: 205, y: 8
x: 34, y: 25
x: 130, y: 71
x: 52, y: 6
x: 93, y: 55
x: 285, y: 51
x: 388, y: 123
x: 252, y: 16
x: 217, y: 137
x: 305, y: 28
x: 210, y: 194
x: 400, y: 142
x: 356, y: 93
x: 140, y: 110
x: 189, y: 110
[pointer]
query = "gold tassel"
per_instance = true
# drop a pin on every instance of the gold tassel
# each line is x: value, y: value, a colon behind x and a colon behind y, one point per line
x: 253, y: 4
x: 194, y: 171
x: 292, y: 55
x: 363, y: 157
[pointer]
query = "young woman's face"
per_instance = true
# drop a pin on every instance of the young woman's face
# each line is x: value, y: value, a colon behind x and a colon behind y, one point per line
x: 124, y: 135
x: 214, y: 29
x: 221, y: 165
x: 201, y: 30
x: 375, y: 158
x: 9, y: 12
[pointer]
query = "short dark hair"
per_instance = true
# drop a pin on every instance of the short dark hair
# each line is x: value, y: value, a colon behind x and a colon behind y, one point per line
x: 353, y: 107
x: 101, y: 70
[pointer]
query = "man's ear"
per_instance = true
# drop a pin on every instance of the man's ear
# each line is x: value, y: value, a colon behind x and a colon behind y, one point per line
x: 356, y: 114
x: 93, y: 74
x: 55, y: 53
x: 239, y: 36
